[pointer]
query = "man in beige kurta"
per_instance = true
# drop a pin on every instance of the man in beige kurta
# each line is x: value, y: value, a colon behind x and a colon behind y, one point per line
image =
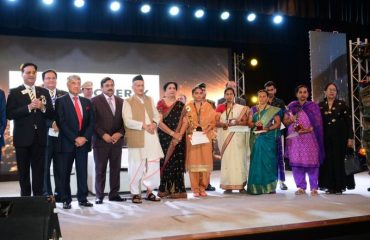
x: 144, y: 150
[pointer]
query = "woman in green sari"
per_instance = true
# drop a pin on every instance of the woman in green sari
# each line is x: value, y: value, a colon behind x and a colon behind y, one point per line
x: 264, y: 122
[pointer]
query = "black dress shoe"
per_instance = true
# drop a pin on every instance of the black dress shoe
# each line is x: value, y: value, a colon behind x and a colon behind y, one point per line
x: 117, y: 199
x: 283, y: 186
x: 67, y: 205
x: 85, y: 204
x: 368, y: 189
x: 98, y: 201
x: 210, y: 188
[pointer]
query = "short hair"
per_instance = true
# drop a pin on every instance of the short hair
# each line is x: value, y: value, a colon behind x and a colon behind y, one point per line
x: 262, y: 91
x: 229, y: 89
x: 269, y: 84
x: 104, y: 80
x: 300, y: 86
x: 167, y: 84
x: 331, y: 83
x: 73, y: 77
x: 195, y: 88
x: 48, y: 71
x: 24, y: 65
x: 137, y: 78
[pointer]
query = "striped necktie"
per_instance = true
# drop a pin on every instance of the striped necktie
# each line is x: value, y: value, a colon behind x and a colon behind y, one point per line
x: 31, y: 94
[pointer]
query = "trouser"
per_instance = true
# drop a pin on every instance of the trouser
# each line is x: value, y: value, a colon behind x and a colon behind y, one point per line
x: 299, y: 174
x: 143, y: 172
x: 199, y: 181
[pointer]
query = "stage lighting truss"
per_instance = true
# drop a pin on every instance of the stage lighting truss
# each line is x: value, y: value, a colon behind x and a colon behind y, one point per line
x: 359, y: 57
x: 239, y: 73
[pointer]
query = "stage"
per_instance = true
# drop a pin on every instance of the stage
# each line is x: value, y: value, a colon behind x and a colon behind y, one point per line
x: 217, y: 215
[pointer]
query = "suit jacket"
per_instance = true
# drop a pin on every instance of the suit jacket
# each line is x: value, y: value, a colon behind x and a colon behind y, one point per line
x: 24, y: 120
x: 105, y: 122
x: 240, y: 101
x: 67, y: 121
x: 2, y: 118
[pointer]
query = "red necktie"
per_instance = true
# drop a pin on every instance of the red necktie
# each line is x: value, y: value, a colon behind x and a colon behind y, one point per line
x: 78, y: 112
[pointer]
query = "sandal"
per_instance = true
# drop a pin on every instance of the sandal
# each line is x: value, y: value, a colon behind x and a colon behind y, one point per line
x: 300, y: 191
x: 136, y: 199
x: 152, y: 197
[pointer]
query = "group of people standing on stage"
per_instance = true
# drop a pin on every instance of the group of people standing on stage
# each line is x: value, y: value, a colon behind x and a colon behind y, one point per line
x: 172, y: 137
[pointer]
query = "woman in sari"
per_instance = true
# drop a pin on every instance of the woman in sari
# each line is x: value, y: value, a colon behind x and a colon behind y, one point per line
x: 233, y: 145
x: 264, y: 122
x: 173, y: 144
x: 200, y: 118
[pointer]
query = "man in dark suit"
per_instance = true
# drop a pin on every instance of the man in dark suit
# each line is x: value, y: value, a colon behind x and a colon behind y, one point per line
x: 75, y: 120
x: 29, y: 106
x: 2, y: 119
x: 107, y: 140
x: 49, y: 78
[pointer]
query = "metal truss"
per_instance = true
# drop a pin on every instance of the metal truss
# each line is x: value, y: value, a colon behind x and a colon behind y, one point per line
x: 359, y: 67
x: 239, y: 73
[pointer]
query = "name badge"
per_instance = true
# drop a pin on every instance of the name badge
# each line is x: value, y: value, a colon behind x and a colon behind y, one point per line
x: 25, y: 91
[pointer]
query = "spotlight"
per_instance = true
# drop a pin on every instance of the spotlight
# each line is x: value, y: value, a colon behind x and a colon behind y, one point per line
x: 79, y: 3
x: 277, y: 19
x: 174, y: 10
x: 48, y: 2
x: 145, y: 8
x: 12, y: 0
x: 254, y: 62
x: 362, y: 152
x: 251, y: 17
x: 254, y: 99
x: 225, y: 15
x: 199, y: 13
x: 115, y: 6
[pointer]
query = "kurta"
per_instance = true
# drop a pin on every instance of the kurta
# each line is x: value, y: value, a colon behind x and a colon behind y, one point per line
x: 235, y: 159
x: 144, y: 159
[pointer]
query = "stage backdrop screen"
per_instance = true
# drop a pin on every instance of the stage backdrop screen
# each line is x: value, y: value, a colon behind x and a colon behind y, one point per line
x: 94, y: 60
x: 328, y: 56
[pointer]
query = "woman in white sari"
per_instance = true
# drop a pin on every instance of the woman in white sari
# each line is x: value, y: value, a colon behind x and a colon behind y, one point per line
x: 234, y: 146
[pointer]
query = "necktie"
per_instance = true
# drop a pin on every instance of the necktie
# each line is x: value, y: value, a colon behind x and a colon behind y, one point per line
x: 52, y: 96
x: 111, y: 105
x: 32, y: 95
x: 78, y: 112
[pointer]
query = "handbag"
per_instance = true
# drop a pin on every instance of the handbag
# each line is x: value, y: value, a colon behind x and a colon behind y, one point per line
x: 351, y: 163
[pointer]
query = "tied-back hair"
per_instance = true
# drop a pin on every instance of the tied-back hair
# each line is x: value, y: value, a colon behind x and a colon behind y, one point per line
x: 262, y: 90
x: 300, y: 86
x: 167, y: 84
x: 229, y: 89
x: 195, y: 88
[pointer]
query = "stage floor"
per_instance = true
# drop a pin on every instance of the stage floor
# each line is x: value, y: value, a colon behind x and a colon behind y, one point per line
x: 215, y: 213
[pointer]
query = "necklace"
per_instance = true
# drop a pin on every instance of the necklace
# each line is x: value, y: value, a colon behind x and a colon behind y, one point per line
x: 199, y: 128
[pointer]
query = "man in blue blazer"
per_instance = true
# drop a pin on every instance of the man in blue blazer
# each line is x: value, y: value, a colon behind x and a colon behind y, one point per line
x: 75, y: 120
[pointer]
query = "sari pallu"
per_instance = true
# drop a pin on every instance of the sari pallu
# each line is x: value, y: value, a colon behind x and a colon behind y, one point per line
x: 263, y: 167
x: 235, y: 153
x: 173, y: 164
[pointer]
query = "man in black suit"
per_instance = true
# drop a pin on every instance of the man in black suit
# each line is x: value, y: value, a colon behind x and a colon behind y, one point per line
x: 75, y: 120
x: 29, y: 106
x: 49, y: 78
x: 107, y: 140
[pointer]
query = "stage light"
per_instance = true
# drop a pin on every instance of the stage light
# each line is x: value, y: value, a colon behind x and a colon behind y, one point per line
x: 174, y: 10
x: 12, y: 0
x: 362, y: 152
x: 115, y: 6
x: 225, y: 15
x: 79, y: 3
x: 145, y: 8
x: 277, y: 19
x: 254, y: 62
x: 48, y: 2
x: 254, y: 99
x: 199, y: 13
x: 251, y: 17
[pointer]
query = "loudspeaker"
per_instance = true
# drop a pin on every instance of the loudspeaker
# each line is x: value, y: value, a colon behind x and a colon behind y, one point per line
x: 28, y: 218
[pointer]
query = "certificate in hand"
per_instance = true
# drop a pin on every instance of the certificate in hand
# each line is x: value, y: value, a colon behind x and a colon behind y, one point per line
x: 53, y: 133
x: 199, y: 138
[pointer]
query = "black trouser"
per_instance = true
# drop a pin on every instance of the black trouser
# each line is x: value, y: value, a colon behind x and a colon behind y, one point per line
x: 31, y: 157
x: 67, y: 159
x: 51, y: 155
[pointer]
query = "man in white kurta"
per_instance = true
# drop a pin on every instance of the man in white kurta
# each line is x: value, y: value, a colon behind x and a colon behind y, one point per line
x: 144, y: 150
